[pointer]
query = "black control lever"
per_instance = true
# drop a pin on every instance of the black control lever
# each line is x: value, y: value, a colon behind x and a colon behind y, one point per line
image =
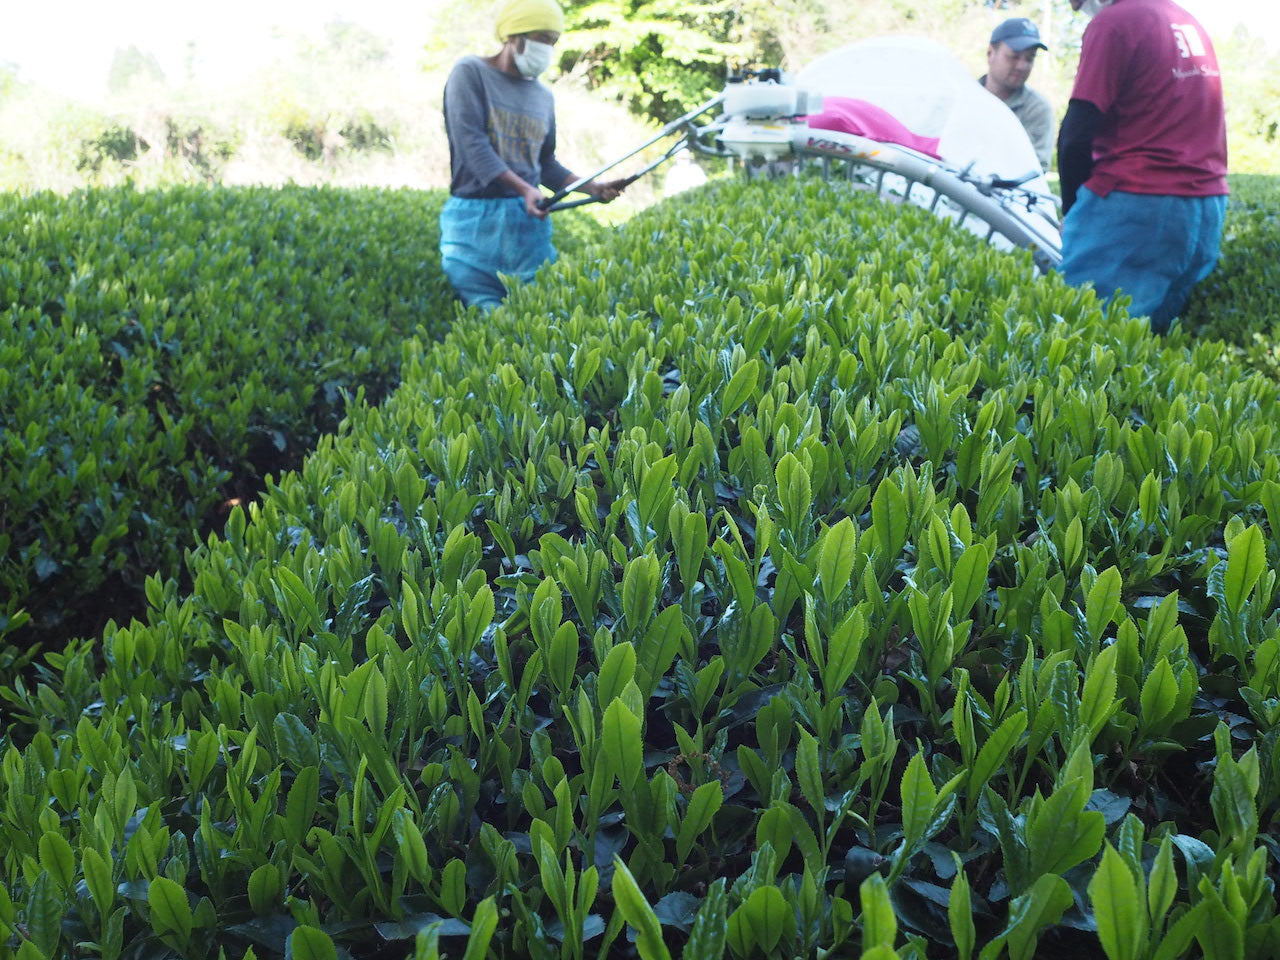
x: 1001, y: 184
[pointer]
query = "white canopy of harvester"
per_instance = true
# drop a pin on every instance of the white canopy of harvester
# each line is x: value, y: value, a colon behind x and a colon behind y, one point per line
x: 898, y: 115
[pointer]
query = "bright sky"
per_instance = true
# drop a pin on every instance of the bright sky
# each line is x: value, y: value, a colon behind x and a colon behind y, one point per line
x: 67, y: 45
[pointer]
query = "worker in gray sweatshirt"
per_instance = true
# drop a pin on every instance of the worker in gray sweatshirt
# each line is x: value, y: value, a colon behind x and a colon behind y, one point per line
x: 500, y: 121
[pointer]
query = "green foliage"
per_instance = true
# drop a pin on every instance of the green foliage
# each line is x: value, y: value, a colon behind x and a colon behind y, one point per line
x: 158, y: 345
x: 552, y: 647
x: 1240, y: 301
x: 188, y: 140
x: 131, y: 67
x: 349, y: 44
x: 197, y: 142
x: 659, y: 57
x: 8, y: 80
x: 1251, y: 83
x: 324, y: 138
x: 117, y: 144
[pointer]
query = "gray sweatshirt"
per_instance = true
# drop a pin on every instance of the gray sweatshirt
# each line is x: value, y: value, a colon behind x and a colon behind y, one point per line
x: 496, y: 122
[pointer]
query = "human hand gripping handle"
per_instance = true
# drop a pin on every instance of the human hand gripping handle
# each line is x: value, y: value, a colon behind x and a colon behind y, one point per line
x: 531, y: 195
x: 533, y: 202
x: 597, y: 193
x: 609, y: 190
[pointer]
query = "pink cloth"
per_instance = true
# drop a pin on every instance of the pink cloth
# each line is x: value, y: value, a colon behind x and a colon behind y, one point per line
x: 847, y: 115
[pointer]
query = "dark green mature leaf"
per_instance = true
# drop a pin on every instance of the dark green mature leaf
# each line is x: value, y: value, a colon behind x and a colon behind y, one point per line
x: 678, y: 909
x: 411, y: 926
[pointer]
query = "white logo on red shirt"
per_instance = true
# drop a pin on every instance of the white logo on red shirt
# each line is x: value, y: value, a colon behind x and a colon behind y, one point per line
x: 1190, y: 43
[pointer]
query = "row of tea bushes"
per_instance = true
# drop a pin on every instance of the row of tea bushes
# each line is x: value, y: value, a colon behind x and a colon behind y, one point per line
x: 154, y: 343
x: 801, y: 578
x: 1240, y: 300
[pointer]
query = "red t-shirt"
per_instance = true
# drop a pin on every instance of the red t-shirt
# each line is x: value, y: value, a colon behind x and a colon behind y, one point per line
x: 1150, y: 68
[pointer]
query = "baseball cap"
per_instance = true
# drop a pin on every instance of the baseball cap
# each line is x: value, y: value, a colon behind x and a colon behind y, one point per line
x: 1018, y: 33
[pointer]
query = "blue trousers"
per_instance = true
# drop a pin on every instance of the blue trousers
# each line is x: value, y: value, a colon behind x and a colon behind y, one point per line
x: 483, y: 240
x: 1153, y: 248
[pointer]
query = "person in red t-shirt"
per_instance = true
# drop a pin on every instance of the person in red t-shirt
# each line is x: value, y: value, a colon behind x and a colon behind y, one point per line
x: 1142, y: 157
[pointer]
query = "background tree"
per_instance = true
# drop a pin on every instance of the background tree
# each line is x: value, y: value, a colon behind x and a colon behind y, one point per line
x: 132, y: 67
x: 658, y: 57
x: 661, y: 57
x: 352, y: 45
x: 1251, y: 82
x: 8, y: 79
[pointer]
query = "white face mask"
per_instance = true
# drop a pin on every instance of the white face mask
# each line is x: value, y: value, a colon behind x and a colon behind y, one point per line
x: 1091, y: 8
x: 535, y: 59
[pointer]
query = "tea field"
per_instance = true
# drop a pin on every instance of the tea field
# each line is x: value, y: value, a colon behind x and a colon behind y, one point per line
x: 1240, y: 301
x: 161, y: 351
x: 158, y: 346
x: 783, y: 575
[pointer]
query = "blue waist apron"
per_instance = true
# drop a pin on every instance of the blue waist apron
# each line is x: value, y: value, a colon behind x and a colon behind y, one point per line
x: 1153, y: 248
x: 480, y: 239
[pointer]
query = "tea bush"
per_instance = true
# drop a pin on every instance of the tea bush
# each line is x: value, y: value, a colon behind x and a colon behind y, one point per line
x: 798, y: 578
x: 156, y: 343
x: 1240, y: 300
x: 162, y: 350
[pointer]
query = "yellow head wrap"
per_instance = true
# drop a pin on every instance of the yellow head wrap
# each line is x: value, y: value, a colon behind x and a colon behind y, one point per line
x: 527, y: 16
